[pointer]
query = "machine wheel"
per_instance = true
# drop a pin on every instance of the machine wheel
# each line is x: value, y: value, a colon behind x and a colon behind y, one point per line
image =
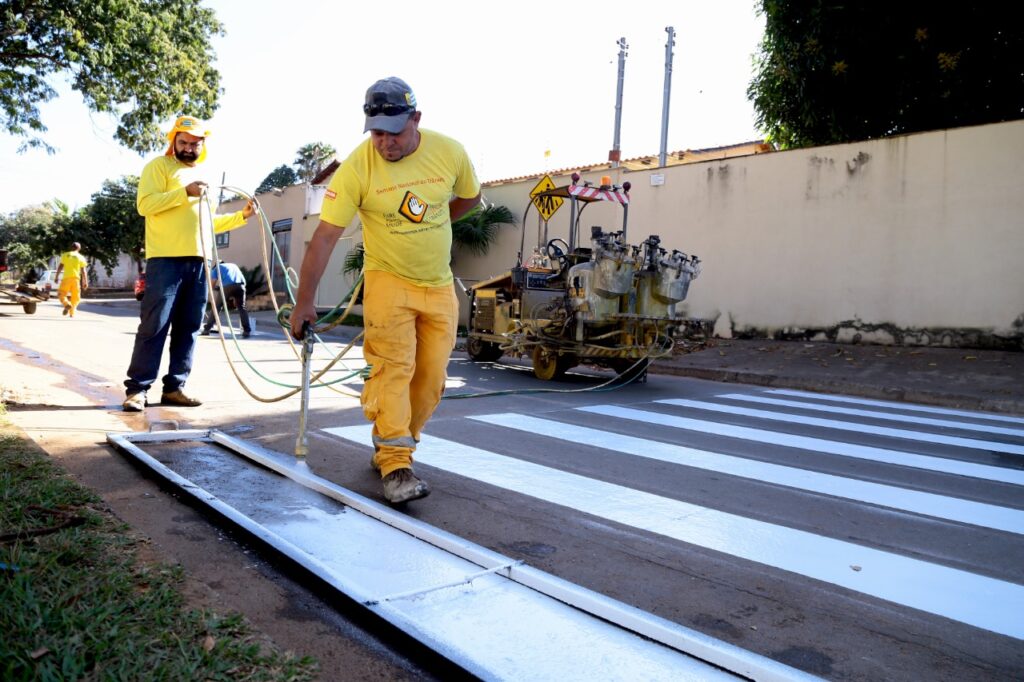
x: 30, y: 307
x: 549, y: 365
x: 625, y: 369
x: 482, y: 351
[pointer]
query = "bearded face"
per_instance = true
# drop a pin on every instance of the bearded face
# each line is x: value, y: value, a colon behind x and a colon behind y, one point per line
x: 187, y: 148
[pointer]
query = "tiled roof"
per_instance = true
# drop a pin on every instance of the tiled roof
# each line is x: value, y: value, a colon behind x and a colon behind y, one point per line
x: 638, y: 163
x: 651, y: 162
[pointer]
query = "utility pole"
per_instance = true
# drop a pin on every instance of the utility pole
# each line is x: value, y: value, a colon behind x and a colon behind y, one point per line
x: 667, y: 95
x: 615, y: 155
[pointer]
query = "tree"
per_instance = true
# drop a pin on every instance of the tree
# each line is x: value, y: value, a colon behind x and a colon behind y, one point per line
x: 831, y: 72
x: 142, y: 61
x: 477, y: 230
x: 111, y: 224
x: 310, y: 158
x: 282, y: 176
x: 21, y: 233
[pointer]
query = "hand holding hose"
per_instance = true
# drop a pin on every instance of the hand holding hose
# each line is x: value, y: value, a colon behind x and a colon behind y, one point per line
x: 194, y: 189
x: 302, y: 317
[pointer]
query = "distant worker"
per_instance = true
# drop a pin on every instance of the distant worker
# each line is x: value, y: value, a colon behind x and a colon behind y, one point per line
x: 234, y: 292
x: 175, y: 298
x: 75, y: 281
x: 407, y: 185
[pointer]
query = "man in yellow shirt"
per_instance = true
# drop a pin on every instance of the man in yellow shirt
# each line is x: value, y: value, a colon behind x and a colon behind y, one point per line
x: 170, y: 190
x: 407, y: 184
x: 76, y: 274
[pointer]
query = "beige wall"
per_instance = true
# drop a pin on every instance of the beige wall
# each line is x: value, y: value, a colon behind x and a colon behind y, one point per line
x: 915, y: 238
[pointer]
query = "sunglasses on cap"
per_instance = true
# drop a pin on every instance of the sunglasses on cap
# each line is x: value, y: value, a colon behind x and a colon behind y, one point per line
x: 386, y: 108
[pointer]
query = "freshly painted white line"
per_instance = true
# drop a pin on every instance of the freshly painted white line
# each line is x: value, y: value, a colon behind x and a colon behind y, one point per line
x: 893, y: 497
x: 897, y: 405
x: 849, y: 426
x: 984, y: 602
x: 817, y: 445
x: 872, y: 414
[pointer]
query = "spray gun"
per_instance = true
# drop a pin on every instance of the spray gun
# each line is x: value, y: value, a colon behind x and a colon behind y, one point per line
x: 302, y: 442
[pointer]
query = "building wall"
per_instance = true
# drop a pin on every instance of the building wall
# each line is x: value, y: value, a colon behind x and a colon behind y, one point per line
x: 913, y: 239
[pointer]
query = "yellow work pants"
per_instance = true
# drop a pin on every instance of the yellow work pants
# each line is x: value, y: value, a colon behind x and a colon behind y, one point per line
x: 69, y: 293
x: 410, y: 334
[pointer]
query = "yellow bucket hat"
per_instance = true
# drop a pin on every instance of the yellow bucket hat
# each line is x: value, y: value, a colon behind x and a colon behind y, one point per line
x: 192, y: 126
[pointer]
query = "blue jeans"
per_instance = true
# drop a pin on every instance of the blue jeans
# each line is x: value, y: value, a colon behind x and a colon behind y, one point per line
x: 174, y: 302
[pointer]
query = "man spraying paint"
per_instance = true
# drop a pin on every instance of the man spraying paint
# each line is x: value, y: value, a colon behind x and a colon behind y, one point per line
x: 407, y: 184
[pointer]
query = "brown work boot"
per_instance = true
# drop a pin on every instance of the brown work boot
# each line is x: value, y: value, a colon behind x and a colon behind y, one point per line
x: 401, y: 485
x: 179, y: 398
x: 135, y: 402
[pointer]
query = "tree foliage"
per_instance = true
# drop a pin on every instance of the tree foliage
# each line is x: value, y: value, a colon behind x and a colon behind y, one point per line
x: 143, y: 61
x: 310, y: 158
x: 282, y: 176
x: 23, y: 231
x: 831, y: 72
x: 477, y: 230
x: 111, y: 224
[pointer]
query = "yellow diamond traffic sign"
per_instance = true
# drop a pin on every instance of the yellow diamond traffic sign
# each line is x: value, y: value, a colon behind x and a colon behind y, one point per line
x: 546, y: 206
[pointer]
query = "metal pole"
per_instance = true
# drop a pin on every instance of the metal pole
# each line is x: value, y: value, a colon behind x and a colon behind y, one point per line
x: 667, y: 95
x: 614, y: 155
x: 302, y: 440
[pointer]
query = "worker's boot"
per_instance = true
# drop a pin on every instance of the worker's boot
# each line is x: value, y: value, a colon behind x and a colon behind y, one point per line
x: 401, y: 485
x: 180, y: 399
x: 135, y: 402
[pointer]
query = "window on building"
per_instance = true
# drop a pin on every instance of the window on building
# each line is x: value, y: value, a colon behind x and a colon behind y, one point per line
x: 223, y: 239
x: 282, y: 231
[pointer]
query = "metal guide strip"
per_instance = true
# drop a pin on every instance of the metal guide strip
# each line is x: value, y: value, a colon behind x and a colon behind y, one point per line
x: 679, y: 638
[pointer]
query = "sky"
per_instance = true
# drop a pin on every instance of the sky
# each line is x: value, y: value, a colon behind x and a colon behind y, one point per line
x: 508, y: 80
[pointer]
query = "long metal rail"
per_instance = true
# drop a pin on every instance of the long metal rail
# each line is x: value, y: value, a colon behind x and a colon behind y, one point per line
x: 485, y: 612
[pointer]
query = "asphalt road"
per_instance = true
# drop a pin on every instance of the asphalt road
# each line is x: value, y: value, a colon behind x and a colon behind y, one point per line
x: 851, y: 546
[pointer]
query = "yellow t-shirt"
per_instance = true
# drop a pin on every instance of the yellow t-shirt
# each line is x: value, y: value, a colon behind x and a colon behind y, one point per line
x: 172, y: 217
x: 403, y: 205
x: 72, y: 263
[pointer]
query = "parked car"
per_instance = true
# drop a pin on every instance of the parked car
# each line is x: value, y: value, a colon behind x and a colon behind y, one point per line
x: 140, y: 286
x: 48, y: 282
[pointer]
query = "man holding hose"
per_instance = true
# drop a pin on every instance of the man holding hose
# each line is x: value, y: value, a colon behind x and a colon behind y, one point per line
x: 175, y: 300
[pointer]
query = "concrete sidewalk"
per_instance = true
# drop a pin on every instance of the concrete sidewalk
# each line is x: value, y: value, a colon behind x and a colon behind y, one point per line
x: 991, y: 381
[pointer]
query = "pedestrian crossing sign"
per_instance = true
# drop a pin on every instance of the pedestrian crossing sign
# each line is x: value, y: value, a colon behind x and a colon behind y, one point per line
x: 546, y: 205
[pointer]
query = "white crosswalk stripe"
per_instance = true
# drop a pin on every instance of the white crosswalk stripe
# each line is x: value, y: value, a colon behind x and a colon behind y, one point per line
x: 906, y: 434
x: 939, y: 506
x: 906, y: 407
x: 874, y: 414
x: 818, y: 445
x: 982, y: 601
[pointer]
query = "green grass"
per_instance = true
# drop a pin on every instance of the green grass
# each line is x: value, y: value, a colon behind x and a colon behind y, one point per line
x: 77, y: 603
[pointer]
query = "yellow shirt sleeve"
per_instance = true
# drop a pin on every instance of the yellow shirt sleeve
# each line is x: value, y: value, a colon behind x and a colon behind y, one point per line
x: 173, y: 218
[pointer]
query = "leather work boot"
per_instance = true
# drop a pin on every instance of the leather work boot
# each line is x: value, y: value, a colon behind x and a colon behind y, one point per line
x: 401, y: 485
x: 136, y: 402
x: 179, y: 398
